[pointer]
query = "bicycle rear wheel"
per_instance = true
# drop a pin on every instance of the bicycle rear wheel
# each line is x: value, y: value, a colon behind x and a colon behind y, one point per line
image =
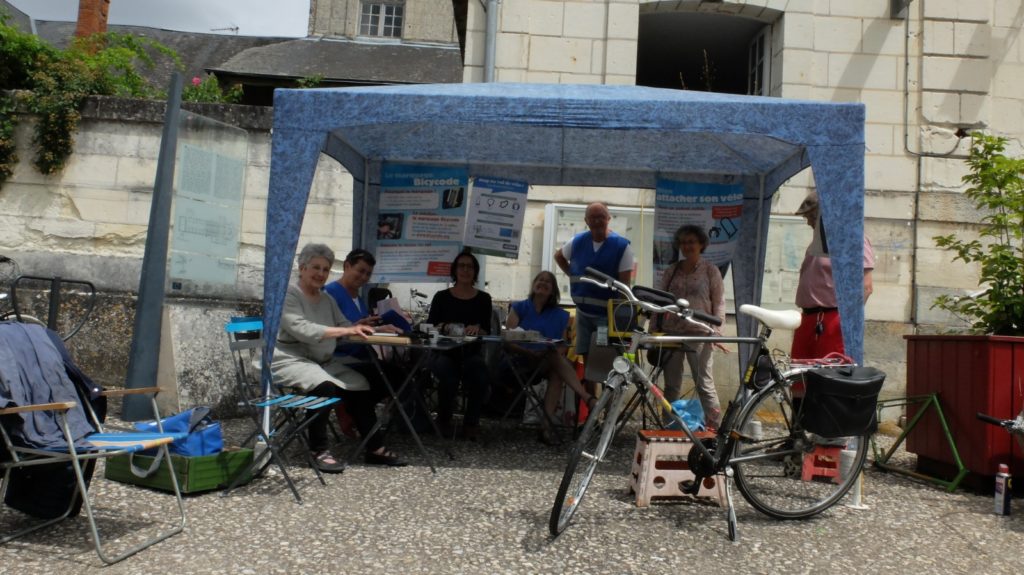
x: 769, y: 468
x: 25, y: 318
x: 589, y: 449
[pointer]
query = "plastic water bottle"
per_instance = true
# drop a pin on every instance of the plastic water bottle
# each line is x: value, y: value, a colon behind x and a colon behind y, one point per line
x: 1004, y: 487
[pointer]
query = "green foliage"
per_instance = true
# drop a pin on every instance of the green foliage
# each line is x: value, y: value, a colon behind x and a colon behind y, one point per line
x: 58, y: 81
x: 313, y: 81
x: 208, y: 90
x: 996, y: 186
x: 8, y: 152
x: 19, y: 53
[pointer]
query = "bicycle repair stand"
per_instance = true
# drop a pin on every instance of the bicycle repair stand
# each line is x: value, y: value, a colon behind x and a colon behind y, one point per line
x: 931, y: 400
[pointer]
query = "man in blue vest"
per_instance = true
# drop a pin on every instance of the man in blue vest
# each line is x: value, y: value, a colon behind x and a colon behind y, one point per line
x: 600, y: 249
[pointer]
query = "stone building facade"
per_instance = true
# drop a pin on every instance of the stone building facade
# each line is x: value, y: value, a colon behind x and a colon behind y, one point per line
x: 926, y: 76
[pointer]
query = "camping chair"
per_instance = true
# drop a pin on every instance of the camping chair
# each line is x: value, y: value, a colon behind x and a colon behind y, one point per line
x: 63, y: 432
x: 281, y: 418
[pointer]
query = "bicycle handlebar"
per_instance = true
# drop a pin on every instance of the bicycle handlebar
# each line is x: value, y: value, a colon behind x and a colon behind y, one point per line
x: 668, y: 302
x: 993, y: 420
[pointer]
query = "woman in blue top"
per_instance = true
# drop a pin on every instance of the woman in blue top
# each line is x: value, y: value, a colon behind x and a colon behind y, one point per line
x: 357, y: 270
x: 540, y: 312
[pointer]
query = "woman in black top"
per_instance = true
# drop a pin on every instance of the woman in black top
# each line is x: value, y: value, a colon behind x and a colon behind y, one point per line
x: 462, y: 304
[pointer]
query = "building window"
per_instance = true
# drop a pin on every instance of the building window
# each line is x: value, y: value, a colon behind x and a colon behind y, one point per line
x: 759, y: 64
x: 382, y: 19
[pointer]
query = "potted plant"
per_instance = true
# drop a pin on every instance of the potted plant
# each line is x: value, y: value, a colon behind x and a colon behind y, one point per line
x: 982, y: 371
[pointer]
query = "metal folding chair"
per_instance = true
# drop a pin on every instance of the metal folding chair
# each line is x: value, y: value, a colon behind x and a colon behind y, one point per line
x: 61, y: 431
x: 281, y: 418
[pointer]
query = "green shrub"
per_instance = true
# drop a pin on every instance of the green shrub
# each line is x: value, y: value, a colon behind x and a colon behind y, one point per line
x: 208, y: 90
x: 996, y: 186
x: 58, y: 81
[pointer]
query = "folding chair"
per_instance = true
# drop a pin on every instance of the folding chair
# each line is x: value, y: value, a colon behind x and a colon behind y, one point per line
x: 62, y: 431
x: 280, y: 418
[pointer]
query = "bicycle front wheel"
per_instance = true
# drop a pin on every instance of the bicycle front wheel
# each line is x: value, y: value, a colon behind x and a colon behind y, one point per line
x: 769, y: 465
x: 589, y: 450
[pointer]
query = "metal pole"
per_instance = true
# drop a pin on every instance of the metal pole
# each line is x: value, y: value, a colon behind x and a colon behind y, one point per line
x: 143, y: 360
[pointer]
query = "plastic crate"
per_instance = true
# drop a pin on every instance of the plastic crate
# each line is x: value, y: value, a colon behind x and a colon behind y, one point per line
x: 195, y: 474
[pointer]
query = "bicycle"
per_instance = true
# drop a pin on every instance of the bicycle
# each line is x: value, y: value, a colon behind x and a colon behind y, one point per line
x: 420, y: 307
x: 9, y: 274
x: 766, y: 466
x: 59, y: 289
x: 1014, y: 427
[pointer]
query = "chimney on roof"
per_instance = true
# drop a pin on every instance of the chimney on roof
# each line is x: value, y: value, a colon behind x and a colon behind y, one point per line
x: 92, y: 17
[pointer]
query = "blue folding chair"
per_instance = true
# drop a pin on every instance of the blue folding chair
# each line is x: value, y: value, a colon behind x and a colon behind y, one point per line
x: 281, y: 418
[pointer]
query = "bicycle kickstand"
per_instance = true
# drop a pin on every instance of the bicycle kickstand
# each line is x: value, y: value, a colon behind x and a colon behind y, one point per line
x: 734, y: 535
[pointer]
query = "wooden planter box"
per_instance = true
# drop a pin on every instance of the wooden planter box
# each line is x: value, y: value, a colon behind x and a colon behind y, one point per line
x: 971, y: 374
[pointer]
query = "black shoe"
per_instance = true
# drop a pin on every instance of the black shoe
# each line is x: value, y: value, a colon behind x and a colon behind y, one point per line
x: 326, y: 463
x: 547, y: 437
x: 387, y: 458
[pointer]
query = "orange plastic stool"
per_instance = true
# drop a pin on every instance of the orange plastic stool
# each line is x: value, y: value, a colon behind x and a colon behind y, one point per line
x: 822, y: 462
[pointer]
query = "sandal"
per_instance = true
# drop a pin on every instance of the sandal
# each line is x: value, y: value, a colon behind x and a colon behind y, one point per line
x: 326, y: 463
x: 387, y: 458
x: 547, y: 437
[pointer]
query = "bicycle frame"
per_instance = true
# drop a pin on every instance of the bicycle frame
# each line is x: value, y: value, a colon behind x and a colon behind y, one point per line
x: 726, y: 435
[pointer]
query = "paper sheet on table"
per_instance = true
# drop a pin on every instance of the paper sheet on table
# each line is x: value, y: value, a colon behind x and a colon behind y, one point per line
x: 388, y: 304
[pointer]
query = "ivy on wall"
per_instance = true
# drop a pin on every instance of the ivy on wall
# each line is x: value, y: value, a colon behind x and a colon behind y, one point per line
x: 8, y: 151
x: 57, y: 82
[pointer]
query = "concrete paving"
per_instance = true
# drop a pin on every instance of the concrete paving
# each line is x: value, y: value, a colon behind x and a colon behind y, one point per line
x: 486, y: 511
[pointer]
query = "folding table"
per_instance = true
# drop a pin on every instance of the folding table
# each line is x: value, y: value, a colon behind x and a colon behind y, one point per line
x: 526, y: 384
x: 429, y: 347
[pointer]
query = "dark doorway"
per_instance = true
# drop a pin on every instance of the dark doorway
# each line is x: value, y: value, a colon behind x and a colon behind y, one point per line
x: 701, y: 51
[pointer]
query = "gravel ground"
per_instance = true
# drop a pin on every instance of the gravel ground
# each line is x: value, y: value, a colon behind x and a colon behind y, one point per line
x: 486, y: 511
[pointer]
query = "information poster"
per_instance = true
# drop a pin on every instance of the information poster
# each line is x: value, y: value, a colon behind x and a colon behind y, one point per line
x: 495, y: 220
x: 715, y: 208
x: 420, y: 221
x: 207, y: 208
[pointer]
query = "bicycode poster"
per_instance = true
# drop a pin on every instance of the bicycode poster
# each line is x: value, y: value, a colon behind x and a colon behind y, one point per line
x: 421, y: 215
x: 495, y: 221
x: 715, y: 208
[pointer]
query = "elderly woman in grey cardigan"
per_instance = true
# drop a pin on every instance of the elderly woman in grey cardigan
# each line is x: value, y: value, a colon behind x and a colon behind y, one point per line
x: 304, y: 359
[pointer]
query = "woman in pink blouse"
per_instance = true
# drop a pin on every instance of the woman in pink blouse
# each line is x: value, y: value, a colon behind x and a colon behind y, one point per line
x: 700, y: 282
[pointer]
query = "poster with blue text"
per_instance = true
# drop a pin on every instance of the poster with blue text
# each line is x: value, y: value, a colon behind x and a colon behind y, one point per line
x: 714, y: 208
x: 494, y: 225
x: 420, y: 220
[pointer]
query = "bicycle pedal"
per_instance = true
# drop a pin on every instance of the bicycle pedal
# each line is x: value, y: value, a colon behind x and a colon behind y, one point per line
x: 690, y: 486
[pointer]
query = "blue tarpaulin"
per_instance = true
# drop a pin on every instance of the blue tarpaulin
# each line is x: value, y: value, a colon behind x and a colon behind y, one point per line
x: 576, y: 135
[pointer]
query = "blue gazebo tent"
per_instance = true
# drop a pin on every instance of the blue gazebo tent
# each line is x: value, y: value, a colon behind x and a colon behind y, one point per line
x: 576, y: 135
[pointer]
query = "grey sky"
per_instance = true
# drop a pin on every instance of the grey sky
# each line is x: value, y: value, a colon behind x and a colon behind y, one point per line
x: 253, y: 17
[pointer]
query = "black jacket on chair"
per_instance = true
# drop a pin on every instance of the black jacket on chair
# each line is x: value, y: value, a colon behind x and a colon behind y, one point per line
x: 43, y: 491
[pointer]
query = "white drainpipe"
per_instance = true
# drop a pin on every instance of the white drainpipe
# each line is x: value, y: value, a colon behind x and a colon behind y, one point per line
x: 491, y: 42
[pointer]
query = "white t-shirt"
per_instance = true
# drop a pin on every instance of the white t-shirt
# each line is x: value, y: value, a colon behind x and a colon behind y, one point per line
x: 625, y: 263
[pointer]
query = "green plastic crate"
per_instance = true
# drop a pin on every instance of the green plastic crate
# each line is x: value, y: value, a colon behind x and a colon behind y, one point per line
x: 195, y: 474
